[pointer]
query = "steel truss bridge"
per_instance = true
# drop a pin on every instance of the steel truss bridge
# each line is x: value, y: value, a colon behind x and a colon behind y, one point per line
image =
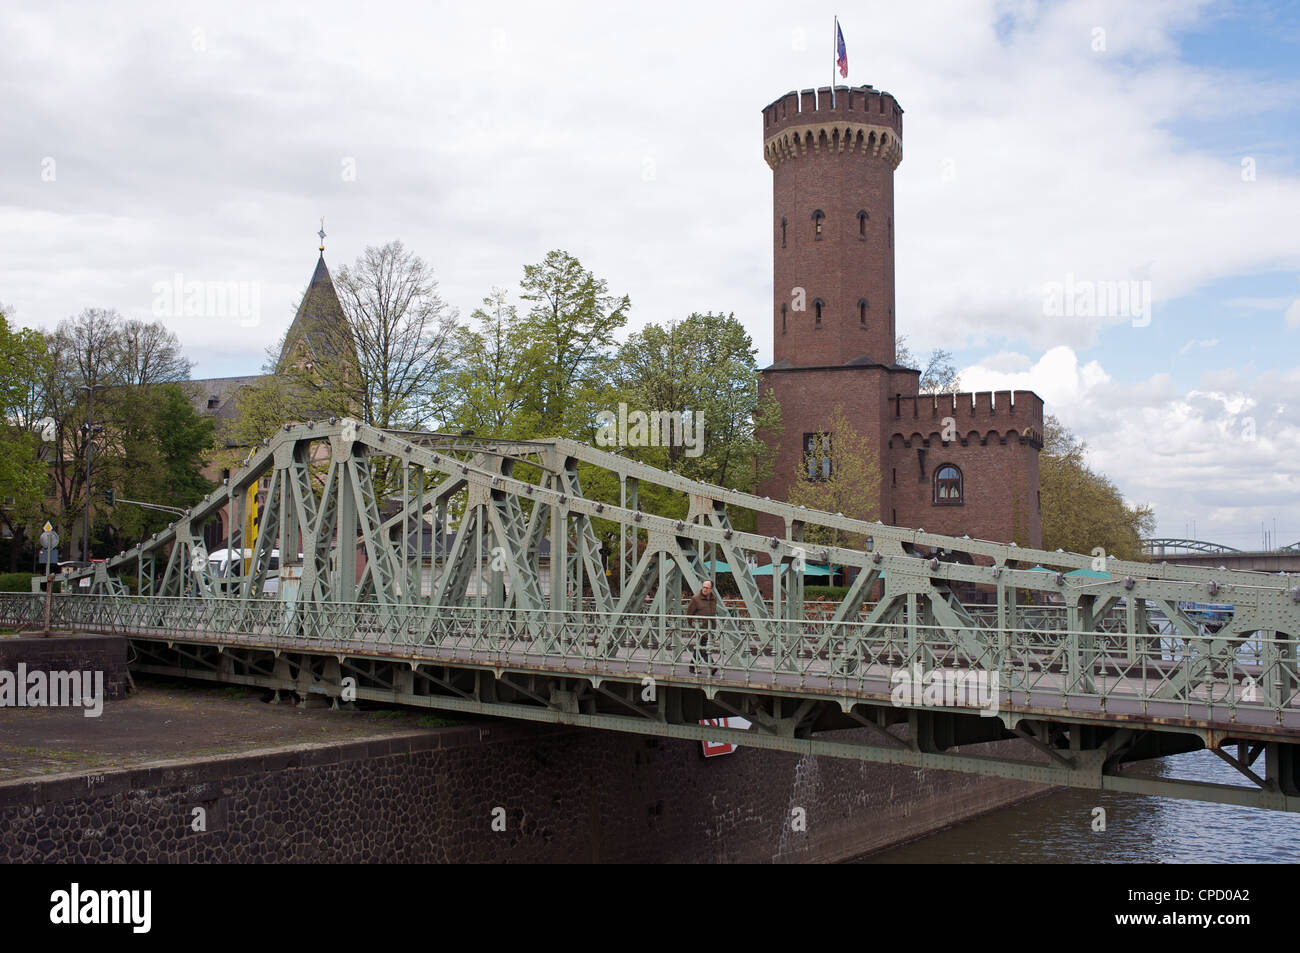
x: 1160, y: 546
x: 1090, y: 672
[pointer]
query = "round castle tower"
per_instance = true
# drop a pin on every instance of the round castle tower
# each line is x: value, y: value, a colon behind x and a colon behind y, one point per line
x: 833, y: 223
x: 958, y: 463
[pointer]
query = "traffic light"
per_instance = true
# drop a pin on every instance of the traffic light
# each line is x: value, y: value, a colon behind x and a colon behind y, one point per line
x: 110, y: 497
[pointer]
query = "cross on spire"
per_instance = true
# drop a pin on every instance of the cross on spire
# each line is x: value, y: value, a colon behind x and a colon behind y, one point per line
x: 321, y: 233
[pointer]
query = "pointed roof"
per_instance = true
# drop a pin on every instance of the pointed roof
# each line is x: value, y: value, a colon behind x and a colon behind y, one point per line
x: 319, y: 330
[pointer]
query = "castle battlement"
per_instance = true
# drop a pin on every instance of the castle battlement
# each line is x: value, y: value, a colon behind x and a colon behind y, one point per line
x: 1004, y: 407
x: 856, y: 104
x: 863, y: 122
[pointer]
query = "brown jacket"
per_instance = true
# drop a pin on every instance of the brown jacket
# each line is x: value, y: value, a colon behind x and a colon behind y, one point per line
x: 702, y: 604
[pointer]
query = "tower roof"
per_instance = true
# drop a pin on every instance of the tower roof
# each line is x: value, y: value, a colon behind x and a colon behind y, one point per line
x: 319, y: 330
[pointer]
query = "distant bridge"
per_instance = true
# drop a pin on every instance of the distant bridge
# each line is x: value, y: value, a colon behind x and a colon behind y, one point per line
x: 1091, y: 671
x: 1196, y: 552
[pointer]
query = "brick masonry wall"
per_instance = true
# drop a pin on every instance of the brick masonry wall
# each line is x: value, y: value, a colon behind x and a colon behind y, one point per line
x: 82, y: 653
x: 568, y: 795
x: 992, y: 448
x: 845, y: 264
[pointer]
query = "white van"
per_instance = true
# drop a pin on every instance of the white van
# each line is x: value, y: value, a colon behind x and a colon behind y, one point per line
x: 227, y: 569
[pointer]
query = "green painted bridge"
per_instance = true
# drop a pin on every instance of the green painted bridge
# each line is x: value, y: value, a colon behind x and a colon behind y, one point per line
x: 470, y: 575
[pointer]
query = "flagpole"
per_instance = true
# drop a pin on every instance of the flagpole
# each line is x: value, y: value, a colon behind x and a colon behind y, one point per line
x: 835, y: 54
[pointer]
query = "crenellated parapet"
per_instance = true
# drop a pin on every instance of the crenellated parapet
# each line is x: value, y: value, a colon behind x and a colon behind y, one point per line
x: 970, y: 415
x: 862, y: 121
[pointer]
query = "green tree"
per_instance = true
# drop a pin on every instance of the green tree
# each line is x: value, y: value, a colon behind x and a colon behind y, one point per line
x: 261, y: 408
x: 840, y: 473
x: 23, y: 471
x: 701, y: 371
x: 83, y: 360
x: 125, y: 363
x: 1083, y: 510
x: 491, y: 381
x: 569, y: 333
x: 153, y: 452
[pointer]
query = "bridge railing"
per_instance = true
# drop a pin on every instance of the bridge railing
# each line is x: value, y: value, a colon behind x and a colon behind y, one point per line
x: 1042, y: 667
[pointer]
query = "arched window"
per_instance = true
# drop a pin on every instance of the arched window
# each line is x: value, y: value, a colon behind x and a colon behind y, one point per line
x: 862, y: 226
x: 818, y: 218
x: 784, y: 308
x: 947, y: 485
x: 783, y: 223
x: 862, y: 312
x: 817, y: 311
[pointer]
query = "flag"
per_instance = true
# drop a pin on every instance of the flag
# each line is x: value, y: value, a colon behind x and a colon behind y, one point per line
x: 841, y: 54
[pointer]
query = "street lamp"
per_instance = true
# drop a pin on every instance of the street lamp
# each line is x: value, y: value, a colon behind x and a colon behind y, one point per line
x: 89, y: 430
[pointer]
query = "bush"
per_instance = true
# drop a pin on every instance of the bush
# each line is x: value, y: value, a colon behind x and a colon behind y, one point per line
x: 834, y: 593
x: 16, y: 581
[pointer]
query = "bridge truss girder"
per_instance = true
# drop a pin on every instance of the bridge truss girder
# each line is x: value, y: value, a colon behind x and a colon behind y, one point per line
x: 350, y: 508
x: 1091, y: 755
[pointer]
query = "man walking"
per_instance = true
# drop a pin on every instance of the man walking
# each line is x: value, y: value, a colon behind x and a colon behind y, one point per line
x: 704, y: 604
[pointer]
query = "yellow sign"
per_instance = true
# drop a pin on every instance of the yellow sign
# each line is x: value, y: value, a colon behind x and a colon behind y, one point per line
x: 251, y: 517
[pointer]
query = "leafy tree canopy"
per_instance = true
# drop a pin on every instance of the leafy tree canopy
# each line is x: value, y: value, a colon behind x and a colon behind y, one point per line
x: 1083, y: 510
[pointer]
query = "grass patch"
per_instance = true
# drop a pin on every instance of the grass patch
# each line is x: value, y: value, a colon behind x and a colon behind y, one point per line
x: 433, y: 721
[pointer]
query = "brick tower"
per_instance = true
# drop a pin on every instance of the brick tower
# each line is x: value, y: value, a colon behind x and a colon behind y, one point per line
x: 833, y: 210
x: 834, y: 333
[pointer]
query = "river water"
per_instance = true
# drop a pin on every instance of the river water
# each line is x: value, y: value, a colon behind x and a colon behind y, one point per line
x: 1058, y: 827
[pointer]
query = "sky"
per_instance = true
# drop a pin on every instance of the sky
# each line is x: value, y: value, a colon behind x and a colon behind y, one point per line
x: 1050, y: 150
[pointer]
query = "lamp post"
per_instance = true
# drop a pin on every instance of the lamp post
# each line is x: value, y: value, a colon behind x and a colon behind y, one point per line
x: 89, y: 431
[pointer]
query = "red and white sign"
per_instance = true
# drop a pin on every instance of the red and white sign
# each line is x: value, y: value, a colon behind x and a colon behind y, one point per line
x: 714, y: 748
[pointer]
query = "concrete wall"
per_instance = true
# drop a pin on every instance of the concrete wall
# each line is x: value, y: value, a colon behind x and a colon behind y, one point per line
x: 567, y: 794
x: 82, y: 653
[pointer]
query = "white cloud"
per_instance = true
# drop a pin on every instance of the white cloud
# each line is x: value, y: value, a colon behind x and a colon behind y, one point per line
x: 1257, y: 304
x: 1198, y: 343
x: 1225, y: 458
x: 484, y: 136
x: 1056, y: 377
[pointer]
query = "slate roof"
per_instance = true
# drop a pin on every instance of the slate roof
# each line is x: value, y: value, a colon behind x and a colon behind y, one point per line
x: 319, y: 329
x: 215, y: 396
